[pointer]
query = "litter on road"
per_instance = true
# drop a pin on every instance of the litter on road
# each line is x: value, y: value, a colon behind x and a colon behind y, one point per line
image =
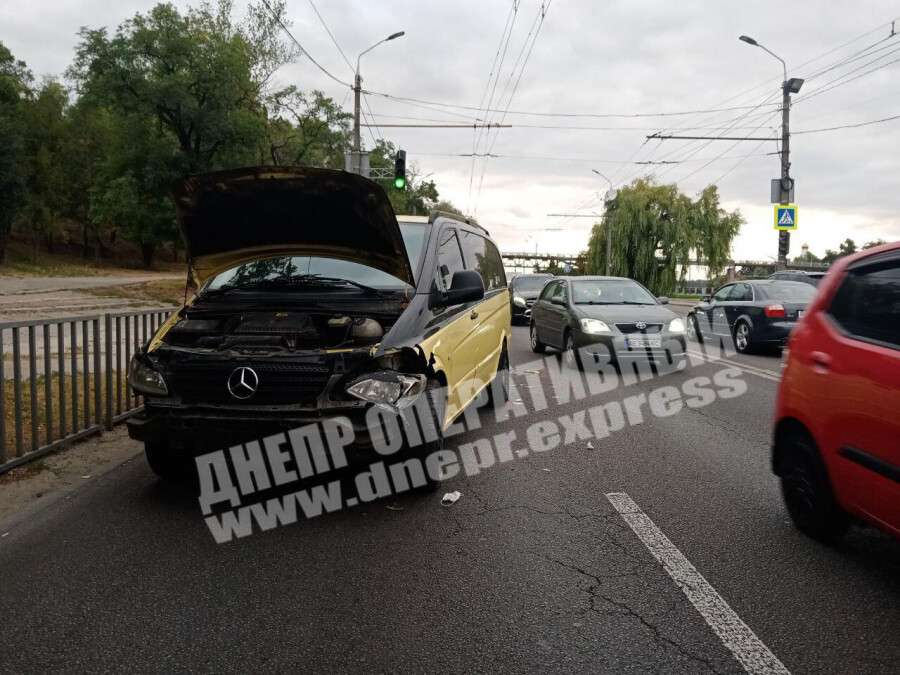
x: 451, y: 498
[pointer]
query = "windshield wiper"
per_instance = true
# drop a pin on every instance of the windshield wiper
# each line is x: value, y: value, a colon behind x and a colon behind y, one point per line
x: 299, y: 281
x: 336, y: 281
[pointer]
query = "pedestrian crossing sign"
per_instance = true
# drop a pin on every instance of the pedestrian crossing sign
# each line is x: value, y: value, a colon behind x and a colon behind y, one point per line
x: 785, y: 216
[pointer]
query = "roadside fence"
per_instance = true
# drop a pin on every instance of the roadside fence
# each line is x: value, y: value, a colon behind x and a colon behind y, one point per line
x: 65, y: 379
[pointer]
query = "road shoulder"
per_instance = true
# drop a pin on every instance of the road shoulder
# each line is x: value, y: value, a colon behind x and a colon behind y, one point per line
x: 29, y: 489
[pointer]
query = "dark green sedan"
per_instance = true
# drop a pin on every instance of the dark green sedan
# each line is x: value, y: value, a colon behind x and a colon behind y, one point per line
x: 603, y: 318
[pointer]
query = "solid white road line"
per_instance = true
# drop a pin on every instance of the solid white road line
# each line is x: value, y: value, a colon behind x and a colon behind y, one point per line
x: 737, y: 636
x: 752, y: 370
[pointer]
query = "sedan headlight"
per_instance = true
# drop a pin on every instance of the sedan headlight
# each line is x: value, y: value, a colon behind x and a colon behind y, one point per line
x: 144, y: 379
x: 676, y: 326
x: 519, y: 301
x: 387, y: 388
x: 594, y: 326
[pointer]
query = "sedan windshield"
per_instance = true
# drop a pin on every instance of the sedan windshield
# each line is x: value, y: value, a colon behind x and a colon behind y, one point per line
x: 610, y: 292
x: 790, y: 291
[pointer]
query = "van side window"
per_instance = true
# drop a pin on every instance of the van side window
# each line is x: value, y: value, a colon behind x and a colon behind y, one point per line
x: 867, y: 304
x: 449, y: 258
x: 482, y: 256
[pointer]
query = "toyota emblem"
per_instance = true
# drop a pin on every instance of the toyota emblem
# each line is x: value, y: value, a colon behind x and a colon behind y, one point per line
x: 640, y: 325
x: 243, y: 382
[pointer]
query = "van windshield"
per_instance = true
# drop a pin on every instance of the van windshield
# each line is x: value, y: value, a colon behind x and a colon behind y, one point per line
x: 316, y: 273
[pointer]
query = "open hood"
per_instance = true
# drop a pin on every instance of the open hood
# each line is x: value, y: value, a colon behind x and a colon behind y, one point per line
x: 234, y: 216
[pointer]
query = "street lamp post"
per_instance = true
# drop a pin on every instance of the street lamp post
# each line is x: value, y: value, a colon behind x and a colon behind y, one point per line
x: 610, y: 195
x: 357, y: 87
x: 788, y: 87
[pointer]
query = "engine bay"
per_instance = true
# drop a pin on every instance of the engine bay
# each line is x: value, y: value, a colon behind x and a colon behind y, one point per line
x: 260, y: 331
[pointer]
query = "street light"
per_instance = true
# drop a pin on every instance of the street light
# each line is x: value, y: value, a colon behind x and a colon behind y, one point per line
x: 788, y: 87
x: 610, y: 195
x: 357, y: 86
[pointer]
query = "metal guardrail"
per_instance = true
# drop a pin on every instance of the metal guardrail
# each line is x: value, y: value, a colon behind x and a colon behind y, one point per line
x: 68, y: 379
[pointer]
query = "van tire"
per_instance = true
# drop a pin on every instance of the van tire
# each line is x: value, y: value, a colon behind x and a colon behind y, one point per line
x: 434, y: 390
x: 501, y: 379
x: 163, y: 462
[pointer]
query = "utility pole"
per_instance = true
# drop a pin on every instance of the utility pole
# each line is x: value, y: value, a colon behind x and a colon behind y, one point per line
x: 607, y: 199
x: 788, y: 87
x: 357, y: 87
x: 356, y: 161
x: 784, y: 237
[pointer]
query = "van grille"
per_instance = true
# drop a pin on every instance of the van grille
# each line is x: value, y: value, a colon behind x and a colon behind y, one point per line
x: 279, y: 383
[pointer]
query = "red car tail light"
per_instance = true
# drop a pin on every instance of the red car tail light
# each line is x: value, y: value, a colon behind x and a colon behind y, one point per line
x: 775, y: 311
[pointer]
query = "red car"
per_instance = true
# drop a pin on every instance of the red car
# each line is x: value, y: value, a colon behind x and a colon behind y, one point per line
x: 837, y: 427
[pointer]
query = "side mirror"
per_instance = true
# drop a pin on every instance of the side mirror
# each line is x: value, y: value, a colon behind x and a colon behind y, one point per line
x: 663, y: 300
x: 706, y: 298
x: 465, y: 286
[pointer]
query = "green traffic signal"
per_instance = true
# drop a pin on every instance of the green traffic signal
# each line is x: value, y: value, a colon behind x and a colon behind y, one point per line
x: 400, y: 182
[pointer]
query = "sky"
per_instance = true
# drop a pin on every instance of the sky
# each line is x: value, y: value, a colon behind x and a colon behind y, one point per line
x: 589, y: 57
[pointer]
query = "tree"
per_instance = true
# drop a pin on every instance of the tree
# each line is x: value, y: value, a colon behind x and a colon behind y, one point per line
x: 15, y: 82
x: 190, y: 91
x: 202, y: 76
x: 847, y: 247
x: 44, y: 119
x: 830, y: 256
x: 317, y: 132
x: 659, y: 232
x: 132, y: 190
x: 873, y: 244
x: 447, y: 207
x: 87, y: 143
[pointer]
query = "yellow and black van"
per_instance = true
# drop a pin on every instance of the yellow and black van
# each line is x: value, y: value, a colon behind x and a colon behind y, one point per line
x: 315, y: 300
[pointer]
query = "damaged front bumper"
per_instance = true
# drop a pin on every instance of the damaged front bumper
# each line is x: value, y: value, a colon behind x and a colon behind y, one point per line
x: 196, y: 430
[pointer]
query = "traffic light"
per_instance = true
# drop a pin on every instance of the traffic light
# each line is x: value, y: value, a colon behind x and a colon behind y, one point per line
x: 400, y: 170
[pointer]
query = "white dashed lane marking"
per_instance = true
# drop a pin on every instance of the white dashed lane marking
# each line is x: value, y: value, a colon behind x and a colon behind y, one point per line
x: 737, y: 636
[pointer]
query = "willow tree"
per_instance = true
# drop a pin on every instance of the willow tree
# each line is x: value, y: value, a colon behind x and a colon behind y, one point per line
x: 658, y: 232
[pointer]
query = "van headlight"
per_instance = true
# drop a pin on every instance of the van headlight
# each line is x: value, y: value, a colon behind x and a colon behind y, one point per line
x: 388, y: 388
x: 594, y: 326
x: 519, y: 301
x: 676, y: 326
x: 145, y: 379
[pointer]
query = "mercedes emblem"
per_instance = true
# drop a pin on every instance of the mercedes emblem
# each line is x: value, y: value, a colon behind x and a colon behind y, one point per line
x: 243, y: 382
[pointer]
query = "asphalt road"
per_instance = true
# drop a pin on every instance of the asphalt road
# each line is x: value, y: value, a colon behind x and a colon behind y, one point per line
x: 532, y: 570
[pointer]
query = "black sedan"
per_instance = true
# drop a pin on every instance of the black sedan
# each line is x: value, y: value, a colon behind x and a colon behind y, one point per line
x: 603, y: 316
x: 756, y: 313
x: 523, y: 291
x: 811, y: 278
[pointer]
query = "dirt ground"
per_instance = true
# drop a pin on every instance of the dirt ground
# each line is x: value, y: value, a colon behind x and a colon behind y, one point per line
x: 56, y: 475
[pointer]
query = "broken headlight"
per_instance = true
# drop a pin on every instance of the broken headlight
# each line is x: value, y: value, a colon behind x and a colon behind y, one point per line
x: 144, y: 380
x: 388, y: 388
